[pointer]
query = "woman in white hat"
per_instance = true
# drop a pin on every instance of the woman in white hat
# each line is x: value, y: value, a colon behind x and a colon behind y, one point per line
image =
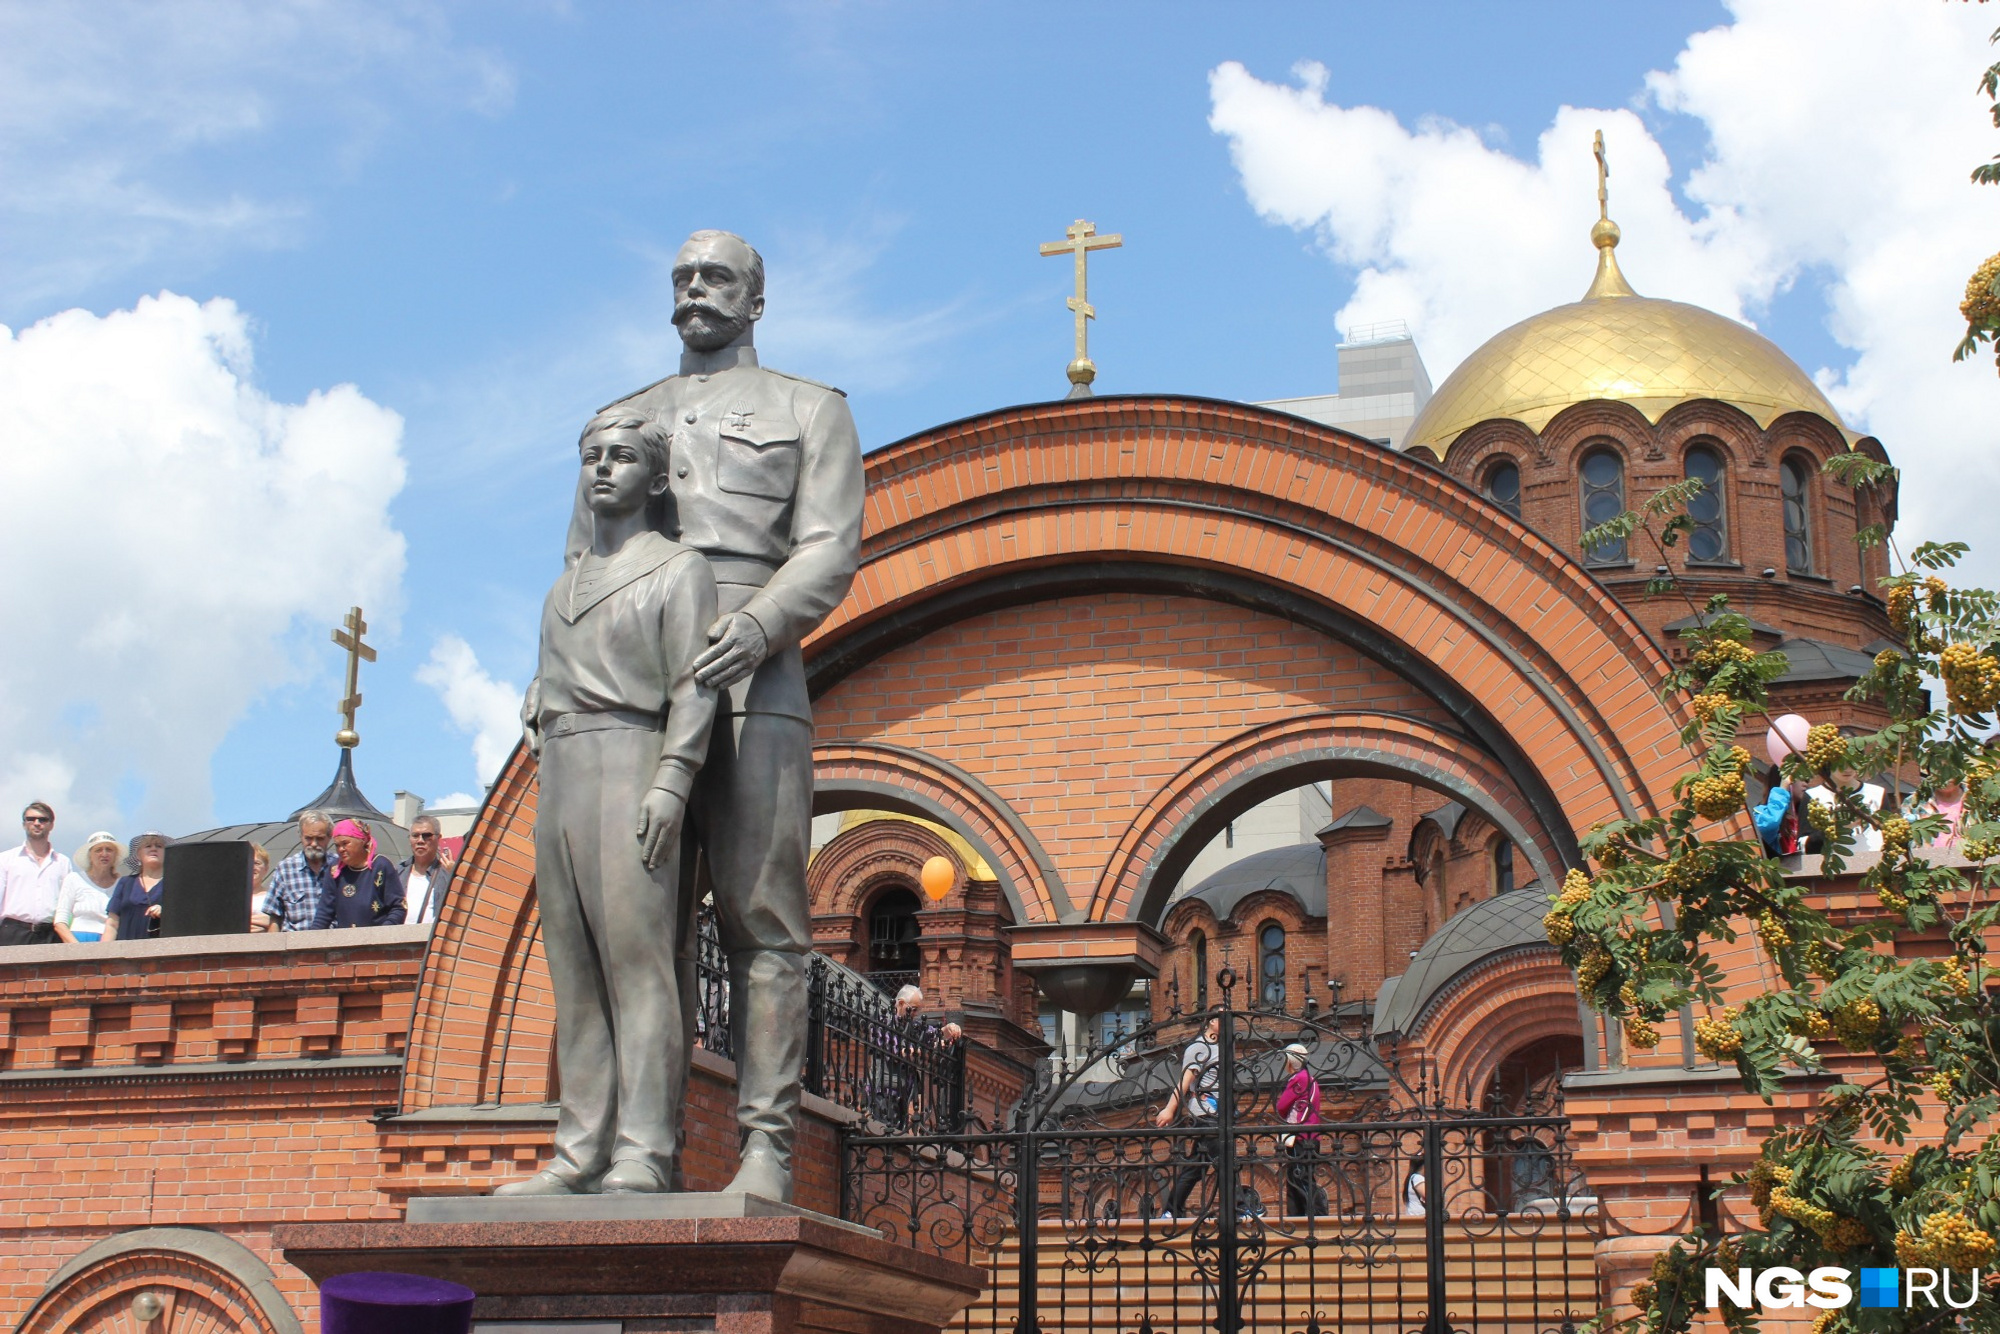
x: 86, y: 890
x: 1298, y: 1104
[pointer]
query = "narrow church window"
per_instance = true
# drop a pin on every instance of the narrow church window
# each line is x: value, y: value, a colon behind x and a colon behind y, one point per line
x: 1796, y: 481
x: 1271, y: 943
x: 1709, y: 510
x: 1603, y: 500
x: 1503, y: 486
x: 1503, y: 866
x: 1200, y: 943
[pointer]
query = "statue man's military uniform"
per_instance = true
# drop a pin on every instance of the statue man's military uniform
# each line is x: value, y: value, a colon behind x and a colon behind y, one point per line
x: 767, y: 484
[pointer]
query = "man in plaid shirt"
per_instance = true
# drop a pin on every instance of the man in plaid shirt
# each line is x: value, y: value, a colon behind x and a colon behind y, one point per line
x: 295, y: 885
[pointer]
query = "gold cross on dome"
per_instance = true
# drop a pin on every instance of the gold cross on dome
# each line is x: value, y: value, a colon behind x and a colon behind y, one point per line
x: 348, y: 636
x: 1603, y: 175
x: 1083, y: 239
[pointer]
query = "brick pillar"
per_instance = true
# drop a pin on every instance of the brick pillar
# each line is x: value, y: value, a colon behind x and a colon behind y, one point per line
x: 1356, y: 935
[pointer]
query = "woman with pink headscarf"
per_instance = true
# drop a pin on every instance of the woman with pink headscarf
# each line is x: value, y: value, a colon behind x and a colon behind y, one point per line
x: 361, y: 887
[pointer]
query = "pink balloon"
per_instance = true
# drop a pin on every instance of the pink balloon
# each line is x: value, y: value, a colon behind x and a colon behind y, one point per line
x: 1786, y: 737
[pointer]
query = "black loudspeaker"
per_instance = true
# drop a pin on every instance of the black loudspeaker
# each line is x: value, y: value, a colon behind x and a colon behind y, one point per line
x: 208, y: 890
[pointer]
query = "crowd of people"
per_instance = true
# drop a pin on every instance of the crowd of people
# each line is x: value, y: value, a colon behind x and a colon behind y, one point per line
x: 113, y: 891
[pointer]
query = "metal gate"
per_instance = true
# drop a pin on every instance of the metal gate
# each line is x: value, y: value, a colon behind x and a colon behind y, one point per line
x: 1091, y: 1216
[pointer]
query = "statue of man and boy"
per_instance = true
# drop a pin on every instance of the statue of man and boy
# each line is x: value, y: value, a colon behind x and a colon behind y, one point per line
x: 717, y: 523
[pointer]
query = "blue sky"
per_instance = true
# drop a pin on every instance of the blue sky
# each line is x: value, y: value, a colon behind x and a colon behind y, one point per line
x: 466, y: 212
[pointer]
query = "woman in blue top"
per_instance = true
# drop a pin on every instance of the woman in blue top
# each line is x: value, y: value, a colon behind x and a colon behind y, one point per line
x: 1777, y: 825
x: 134, y: 910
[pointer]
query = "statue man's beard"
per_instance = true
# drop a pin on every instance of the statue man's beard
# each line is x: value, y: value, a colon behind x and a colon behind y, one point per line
x: 705, y: 329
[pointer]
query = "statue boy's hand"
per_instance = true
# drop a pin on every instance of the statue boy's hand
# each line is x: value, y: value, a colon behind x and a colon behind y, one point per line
x: 531, y: 724
x: 660, y: 813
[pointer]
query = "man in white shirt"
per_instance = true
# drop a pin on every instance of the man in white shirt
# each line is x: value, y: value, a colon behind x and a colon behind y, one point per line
x: 427, y: 874
x: 31, y: 877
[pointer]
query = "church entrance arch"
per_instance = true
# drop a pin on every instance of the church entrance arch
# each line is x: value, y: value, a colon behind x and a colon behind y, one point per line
x: 1192, y: 809
x: 1121, y: 619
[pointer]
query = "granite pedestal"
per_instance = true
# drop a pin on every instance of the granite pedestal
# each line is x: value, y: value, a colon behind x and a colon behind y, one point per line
x: 608, y: 1264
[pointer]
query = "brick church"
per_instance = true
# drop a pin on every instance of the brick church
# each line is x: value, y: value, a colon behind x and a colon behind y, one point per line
x: 1173, y: 684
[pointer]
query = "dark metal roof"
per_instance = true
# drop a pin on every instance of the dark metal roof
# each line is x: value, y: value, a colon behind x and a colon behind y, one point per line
x: 342, y: 797
x: 342, y: 800
x: 1298, y: 870
x: 282, y: 840
x: 1486, y: 928
x: 1361, y: 817
x: 1702, y: 618
x: 1817, y: 660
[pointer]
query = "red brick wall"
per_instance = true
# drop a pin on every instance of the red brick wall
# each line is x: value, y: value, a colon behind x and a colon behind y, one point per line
x: 1076, y: 711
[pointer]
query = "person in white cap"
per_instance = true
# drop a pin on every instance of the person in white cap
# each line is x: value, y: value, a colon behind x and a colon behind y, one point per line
x: 1298, y: 1105
x: 86, y: 890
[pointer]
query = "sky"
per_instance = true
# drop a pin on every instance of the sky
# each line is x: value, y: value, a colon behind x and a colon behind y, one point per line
x: 304, y: 303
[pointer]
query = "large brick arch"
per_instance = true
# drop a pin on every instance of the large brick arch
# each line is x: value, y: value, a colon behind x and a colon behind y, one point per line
x: 1518, y: 646
x: 484, y: 1019
x: 1190, y: 810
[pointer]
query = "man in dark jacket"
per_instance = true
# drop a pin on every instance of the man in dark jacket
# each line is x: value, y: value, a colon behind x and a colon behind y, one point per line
x: 427, y: 872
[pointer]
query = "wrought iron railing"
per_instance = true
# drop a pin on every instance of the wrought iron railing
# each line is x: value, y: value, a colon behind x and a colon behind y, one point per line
x: 1398, y: 1212
x: 901, y: 1074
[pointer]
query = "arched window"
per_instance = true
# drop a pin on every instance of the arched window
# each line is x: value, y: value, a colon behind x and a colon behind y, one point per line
x: 1795, y: 478
x: 1710, y: 509
x: 894, y: 956
x: 1198, y: 942
x: 1503, y: 866
x: 1503, y: 486
x: 1271, y: 965
x: 1603, y: 478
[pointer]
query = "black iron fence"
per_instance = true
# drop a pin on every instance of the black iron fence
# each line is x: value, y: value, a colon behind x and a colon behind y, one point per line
x: 1396, y: 1212
x: 902, y: 1074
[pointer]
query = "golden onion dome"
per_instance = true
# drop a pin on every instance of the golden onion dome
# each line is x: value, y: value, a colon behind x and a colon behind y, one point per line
x: 1615, y: 344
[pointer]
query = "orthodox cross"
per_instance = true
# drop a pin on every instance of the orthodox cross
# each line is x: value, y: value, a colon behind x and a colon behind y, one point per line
x: 1083, y: 239
x: 348, y: 636
x: 1603, y: 175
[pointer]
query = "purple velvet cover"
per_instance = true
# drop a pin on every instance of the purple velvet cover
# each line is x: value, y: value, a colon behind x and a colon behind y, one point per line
x: 370, y: 1303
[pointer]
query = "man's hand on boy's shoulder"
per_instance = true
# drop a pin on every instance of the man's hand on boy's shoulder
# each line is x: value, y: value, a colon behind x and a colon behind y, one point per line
x: 660, y: 813
x: 739, y: 647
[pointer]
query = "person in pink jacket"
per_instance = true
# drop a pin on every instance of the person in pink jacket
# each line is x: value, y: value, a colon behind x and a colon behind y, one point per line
x: 1298, y: 1106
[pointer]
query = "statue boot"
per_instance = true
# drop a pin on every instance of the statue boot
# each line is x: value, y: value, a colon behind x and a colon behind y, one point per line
x: 544, y: 1182
x: 633, y: 1176
x: 766, y: 1169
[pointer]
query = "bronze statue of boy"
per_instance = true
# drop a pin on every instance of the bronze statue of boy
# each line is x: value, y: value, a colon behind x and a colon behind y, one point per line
x: 621, y: 726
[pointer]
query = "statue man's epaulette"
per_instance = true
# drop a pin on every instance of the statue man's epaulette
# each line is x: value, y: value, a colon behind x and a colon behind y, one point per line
x: 625, y: 398
x: 801, y: 379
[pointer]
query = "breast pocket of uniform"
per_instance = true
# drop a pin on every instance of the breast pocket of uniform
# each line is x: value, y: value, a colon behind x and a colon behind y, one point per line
x: 758, y: 457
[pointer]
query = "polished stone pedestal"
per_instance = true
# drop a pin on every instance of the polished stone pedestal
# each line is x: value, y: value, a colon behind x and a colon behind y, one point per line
x: 734, y: 1264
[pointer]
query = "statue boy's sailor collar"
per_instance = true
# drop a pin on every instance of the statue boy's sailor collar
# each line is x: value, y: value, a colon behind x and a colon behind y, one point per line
x: 594, y: 578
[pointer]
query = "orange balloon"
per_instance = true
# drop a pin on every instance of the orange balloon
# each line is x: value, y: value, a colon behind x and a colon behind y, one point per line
x: 938, y: 877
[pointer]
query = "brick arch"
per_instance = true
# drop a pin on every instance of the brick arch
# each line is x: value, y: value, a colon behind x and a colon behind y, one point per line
x: 909, y: 782
x: 211, y: 1283
x: 484, y: 1019
x: 1166, y: 834
x: 1541, y: 666
x: 1492, y: 1010
x: 853, y: 865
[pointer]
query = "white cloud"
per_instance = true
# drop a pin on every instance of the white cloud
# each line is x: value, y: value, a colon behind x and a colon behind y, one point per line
x: 1839, y: 145
x: 490, y: 710
x: 113, y: 116
x: 168, y: 523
